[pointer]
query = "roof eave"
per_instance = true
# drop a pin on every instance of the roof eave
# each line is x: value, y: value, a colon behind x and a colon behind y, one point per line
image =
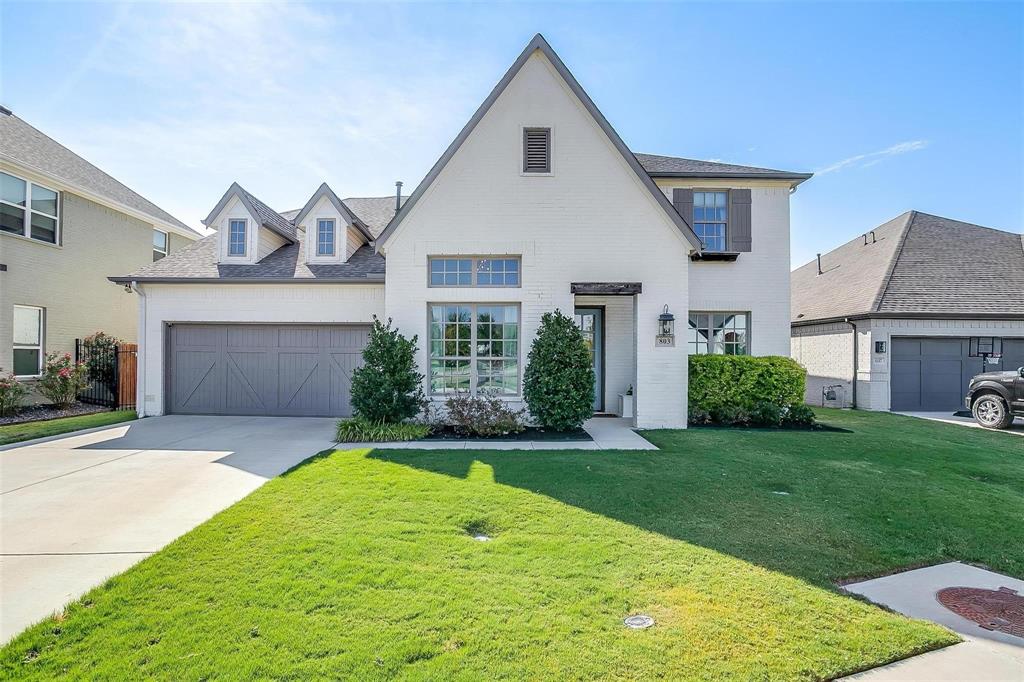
x: 916, y: 315
x: 794, y: 178
x: 128, y: 279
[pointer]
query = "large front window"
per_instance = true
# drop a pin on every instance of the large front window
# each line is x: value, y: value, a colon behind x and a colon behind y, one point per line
x: 719, y: 334
x: 28, y: 341
x: 28, y: 209
x: 474, y: 347
x: 710, y: 218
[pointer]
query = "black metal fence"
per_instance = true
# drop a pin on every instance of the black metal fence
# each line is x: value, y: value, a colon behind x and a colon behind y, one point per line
x: 111, y: 373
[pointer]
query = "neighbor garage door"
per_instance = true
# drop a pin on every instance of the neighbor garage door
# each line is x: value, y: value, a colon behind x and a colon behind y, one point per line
x: 263, y: 369
x: 931, y: 374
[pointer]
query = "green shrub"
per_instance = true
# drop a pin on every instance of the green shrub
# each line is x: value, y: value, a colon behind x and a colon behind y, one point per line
x: 62, y: 379
x: 101, y: 359
x: 744, y: 381
x: 483, y: 415
x: 12, y: 393
x: 559, y: 380
x: 387, y: 388
x: 360, y: 430
x: 768, y: 414
x: 799, y: 414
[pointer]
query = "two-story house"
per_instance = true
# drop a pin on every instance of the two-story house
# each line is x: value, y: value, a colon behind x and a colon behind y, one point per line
x: 65, y: 225
x: 537, y: 205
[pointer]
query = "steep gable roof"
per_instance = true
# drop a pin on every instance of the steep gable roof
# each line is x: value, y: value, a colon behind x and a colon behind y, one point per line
x: 658, y: 166
x: 916, y: 264
x: 325, y: 191
x: 266, y: 216
x: 25, y: 146
x: 539, y: 43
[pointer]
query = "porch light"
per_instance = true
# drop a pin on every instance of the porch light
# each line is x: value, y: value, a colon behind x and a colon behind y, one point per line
x: 666, y: 323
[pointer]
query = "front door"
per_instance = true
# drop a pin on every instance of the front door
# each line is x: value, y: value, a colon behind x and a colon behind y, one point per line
x: 591, y: 323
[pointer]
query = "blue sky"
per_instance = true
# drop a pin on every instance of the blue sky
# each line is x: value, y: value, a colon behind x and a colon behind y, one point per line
x: 894, y: 106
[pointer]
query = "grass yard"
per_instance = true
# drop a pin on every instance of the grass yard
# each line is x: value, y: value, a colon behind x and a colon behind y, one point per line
x: 360, y: 564
x: 15, y: 433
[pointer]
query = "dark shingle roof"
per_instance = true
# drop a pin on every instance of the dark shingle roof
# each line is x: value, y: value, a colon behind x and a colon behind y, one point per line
x: 376, y: 212
x: 271, y: 218
x: 673, y: 166
x: 918, y: 264
x: 24, y: 145
x: 198, y: 262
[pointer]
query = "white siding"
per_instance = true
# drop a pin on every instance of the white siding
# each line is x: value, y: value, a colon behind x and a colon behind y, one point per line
x: 267, y: 242
x: 344, y: 235
x: 590, y: 220
x: 265, y: 303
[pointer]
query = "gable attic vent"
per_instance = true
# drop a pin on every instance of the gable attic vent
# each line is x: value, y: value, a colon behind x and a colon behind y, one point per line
x: 536, y: 150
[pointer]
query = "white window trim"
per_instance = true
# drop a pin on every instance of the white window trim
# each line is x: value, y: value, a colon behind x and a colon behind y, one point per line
x: 27, y: 208
x: 334, y: 242
x: 723, y: 223
x: 519, y: 158
x: 167, y: 243
x: 473, y: 377
x: 748, y: 331
x: 245, y: 241
x: 40, y: 346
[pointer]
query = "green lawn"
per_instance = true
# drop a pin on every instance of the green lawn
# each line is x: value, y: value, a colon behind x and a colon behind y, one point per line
x: 358, y: 564
x: 15, y: 433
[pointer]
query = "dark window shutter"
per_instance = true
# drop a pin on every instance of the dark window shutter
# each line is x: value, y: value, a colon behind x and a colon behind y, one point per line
x: 682, y: 199
x: 536, y: 150
x: 737, y: 232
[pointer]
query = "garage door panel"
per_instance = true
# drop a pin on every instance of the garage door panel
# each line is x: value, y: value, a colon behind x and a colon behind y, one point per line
x: 906, y: 384
x: 264, y: 369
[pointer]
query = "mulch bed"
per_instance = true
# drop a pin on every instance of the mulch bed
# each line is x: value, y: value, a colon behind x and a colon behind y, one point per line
x: 37, y: 413
x: 531, y: 433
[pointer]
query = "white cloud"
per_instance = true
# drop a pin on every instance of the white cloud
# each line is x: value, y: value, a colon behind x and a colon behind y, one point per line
x: 872, y: 158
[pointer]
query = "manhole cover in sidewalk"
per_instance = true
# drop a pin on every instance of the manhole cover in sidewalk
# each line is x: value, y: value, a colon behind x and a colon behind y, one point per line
x: 1001, y: 610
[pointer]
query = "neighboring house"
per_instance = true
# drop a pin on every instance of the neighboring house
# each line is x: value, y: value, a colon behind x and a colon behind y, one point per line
x: 65, y: 225
x: 537, y: 205
x: 903, y: 307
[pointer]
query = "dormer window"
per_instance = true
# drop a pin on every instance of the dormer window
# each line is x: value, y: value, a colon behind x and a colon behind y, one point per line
x: 325, y: 237
x: 537, y: 151
x: 236, y: 237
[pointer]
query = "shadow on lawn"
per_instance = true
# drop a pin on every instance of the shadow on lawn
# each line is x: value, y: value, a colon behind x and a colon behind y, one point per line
x: 730, y: 504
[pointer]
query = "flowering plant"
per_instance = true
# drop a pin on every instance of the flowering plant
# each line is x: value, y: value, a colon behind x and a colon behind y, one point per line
x: 12, y: 392
x: 62, y: 379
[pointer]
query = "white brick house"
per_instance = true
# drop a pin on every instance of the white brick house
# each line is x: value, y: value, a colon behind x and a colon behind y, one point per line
x: 537, y: 205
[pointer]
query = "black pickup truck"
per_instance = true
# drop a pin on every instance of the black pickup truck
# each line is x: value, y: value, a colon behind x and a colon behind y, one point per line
x: 995, y: 398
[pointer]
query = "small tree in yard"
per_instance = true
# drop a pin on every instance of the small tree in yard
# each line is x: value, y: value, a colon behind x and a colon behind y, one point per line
x: 559, y: 380
x: 387, y: 388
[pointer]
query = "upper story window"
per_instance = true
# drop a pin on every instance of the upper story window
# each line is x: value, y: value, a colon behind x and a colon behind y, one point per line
x: 325, y: 237
x: 711, y: 218
x: 28, y: 341
x: 159, y: 244
x: 28, y: 209
x: 718, y: 333
x: 236, y: 237
x: 536, y: 150
x: 474, y: 272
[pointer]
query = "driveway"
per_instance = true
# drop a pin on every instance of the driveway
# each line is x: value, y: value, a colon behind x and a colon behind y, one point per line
x: 78, y: 509
x: 1016, y: 428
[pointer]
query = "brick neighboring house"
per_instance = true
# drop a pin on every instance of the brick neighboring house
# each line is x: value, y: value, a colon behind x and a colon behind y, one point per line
x: 909, y: 296
x: 538, y: 204
x: 65, y: 226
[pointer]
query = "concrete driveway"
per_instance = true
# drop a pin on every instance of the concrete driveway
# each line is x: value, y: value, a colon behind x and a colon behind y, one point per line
x: 76, y: 510
x: 1016, y: 428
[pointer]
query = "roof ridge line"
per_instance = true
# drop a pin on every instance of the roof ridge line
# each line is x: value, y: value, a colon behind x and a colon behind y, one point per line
x: 876, y: 305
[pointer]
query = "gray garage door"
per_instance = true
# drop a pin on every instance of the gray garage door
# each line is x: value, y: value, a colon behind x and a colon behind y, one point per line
x: 932, y: 373
x: 263, y: 369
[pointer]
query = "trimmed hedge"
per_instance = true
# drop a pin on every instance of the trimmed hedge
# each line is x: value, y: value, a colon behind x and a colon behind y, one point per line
x: 719, y: 383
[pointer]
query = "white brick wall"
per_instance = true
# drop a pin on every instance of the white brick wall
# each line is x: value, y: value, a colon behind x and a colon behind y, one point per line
x: 757, y: 281
x: 269, y: 303
x: 591, y: 220
x: 826, y: 352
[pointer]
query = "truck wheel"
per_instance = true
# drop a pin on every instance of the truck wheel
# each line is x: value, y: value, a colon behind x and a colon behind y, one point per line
x: 991, y: 412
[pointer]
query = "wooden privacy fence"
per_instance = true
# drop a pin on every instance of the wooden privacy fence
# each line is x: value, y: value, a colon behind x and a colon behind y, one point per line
x: 112, y: 370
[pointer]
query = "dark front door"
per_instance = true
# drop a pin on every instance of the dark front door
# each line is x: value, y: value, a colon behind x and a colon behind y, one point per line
x: 591, y: 323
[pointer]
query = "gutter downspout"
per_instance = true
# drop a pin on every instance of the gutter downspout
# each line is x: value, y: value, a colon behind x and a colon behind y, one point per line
x: 853, y: 384
x: 140, y: 381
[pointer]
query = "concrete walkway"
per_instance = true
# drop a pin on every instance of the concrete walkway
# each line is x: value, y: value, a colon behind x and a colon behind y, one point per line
x: 983, y: 655
x: 1016, y: 429
x: 77, y: 509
